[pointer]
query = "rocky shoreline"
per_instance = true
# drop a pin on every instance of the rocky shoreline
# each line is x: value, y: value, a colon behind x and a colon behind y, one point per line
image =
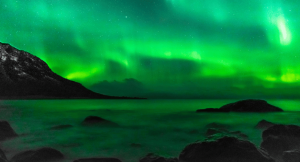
x: 281, y: 143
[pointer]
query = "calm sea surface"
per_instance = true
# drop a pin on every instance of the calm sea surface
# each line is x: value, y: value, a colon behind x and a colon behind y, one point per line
x: 164, y: 127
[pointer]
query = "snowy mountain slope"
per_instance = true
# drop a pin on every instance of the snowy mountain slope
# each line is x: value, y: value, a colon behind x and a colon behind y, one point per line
x: 23, y: 75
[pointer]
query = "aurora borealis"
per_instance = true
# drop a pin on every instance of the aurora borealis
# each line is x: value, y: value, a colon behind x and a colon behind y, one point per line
x: 163, y: 48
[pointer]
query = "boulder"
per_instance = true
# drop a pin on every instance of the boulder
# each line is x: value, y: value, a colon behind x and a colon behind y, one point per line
x: 41, y: 155
x: 2, y: 156
x: 98, y: 160
x: 6, y: 131
x: 291, y: 156
x: 226, y: 149
x: 60, y: 127
x: 95, y: 120
x: 156, y: 158
x: 263, y: 124
x: 280, y: 138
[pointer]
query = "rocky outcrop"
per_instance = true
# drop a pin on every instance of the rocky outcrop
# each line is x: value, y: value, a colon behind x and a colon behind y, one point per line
x: 226, y: 149
x: 40, y: 155
x: 250, y: 105
x: 156, y: 158
x: 98, y: 160
x: 95, y: 120
x: 280, y: 138
x: 6, y: 131
x: 263, y: 124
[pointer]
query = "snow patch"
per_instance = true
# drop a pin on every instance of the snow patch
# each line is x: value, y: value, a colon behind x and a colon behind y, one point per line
x: 16, y: 68
x: 22, y: 74
x: 14, y: 58
x: 3, y: 58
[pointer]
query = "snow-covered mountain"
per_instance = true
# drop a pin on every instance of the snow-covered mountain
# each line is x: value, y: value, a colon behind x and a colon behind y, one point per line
x: 23, y: 75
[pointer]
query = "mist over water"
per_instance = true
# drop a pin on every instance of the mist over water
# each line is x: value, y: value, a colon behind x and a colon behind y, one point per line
x: 164, y: 127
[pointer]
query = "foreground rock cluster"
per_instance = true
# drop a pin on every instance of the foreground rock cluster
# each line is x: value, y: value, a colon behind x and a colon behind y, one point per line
x: 47, y: 154
x: 280, y: 143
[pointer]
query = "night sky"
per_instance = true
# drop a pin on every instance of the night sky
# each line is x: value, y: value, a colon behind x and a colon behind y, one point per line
x: 163, y: 48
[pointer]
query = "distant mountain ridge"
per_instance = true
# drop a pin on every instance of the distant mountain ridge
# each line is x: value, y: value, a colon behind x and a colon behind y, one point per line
x: 25, y: 76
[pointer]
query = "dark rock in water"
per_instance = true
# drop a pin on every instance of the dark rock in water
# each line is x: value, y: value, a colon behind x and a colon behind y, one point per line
x: 59, y: 127
x: 156, y: 158
x: 291, y: 156
x: 283, y: 130
x: 209, y: 110
x: 3, y: 157
x: 40, y: 155
x: 280, y: 138
x: 214, y: 134
x: 217, y: 125
x: 95, y: 120
x: 6, y: 131
x: 227, y: 149
x: 98, y: 160
x: 263, y: 124
x: 250, y: 105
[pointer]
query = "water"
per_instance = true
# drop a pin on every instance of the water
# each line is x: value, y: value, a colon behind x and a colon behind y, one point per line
x: 164, y: 127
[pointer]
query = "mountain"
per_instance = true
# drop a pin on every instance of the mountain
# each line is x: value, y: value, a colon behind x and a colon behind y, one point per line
x: 25, y: 76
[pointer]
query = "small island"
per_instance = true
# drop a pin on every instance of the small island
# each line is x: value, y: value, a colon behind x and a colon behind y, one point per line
x: 250, y: 105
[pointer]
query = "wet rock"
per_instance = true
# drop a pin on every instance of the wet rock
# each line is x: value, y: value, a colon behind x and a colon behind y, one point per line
x: 226, y: 149
x: 95, y: 120
x: 214, y: 134
x: 280, y: 138
x: 291, y: 156
x: 98, y: 160
x: 284, y: 130
x: 6, y: 131
x: 2, y: 156
x: 263, y: 124
x: 60, y: 127
x: 41, y: 155
x: 156, y: 158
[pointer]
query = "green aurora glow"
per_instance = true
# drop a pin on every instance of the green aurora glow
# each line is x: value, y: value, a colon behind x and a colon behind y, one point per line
x: 174, y: 48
